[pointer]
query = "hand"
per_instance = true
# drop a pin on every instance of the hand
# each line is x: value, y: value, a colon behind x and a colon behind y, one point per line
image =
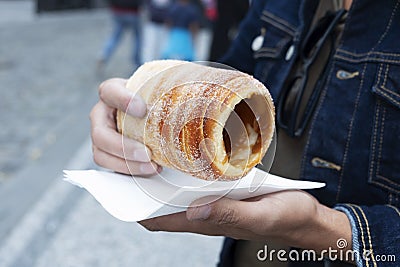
x: 129, y: 157
x: 293, y: 217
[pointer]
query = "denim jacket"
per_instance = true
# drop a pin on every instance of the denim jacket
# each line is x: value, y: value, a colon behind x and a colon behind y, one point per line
x: 355, y: 128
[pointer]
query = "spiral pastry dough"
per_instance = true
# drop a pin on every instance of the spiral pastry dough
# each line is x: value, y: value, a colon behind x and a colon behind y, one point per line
x: 209, y: 122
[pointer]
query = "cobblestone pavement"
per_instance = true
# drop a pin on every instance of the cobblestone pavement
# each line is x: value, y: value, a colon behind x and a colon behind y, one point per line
x: 48, y: 84
x: 47, y: 71
x: 46, y: 74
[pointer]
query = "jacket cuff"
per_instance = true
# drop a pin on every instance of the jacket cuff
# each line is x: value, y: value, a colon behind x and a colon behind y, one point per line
x: 375, y: 234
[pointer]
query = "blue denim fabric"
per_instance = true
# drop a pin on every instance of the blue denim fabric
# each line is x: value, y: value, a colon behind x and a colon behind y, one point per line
x: 121, y: 22
x: 356, y: 125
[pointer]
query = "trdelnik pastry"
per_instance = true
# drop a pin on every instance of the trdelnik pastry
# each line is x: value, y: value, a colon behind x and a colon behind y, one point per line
x: 209, y: 122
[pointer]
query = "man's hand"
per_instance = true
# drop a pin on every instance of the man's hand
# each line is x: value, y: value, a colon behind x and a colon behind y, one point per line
x: 293, y: 217
x: 110, y: 150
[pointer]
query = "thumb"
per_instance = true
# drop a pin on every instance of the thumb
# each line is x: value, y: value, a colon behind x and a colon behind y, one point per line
x: 224, y: 211
x: 113, y: 92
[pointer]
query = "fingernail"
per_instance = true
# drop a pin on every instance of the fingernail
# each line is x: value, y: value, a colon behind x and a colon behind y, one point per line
x: 148, y: 168
x: 137, y: 107
x: 142, y: 154
x: 198, y: 213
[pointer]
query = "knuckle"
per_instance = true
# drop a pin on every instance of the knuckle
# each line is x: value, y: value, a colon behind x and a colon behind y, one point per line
x: 95, y: 134
x: 105, y: 86
x: 102, y: 87
x: 96, y: 159
x: 227, y: 216
x: 93, y: 112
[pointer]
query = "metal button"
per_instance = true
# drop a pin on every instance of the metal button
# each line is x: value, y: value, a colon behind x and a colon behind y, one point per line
x: 345, y: 75
x: 289, y: 53
x: 321, y: 163
x: 259, y: 40
x: 257, y: 43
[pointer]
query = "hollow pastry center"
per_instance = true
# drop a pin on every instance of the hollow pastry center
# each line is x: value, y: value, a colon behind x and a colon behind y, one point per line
x: 241, y: 135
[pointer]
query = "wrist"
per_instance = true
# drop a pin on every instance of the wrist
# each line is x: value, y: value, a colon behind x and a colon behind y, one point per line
x: 323, y: 231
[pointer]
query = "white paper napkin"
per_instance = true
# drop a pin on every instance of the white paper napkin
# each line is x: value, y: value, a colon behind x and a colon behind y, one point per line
x: 135, y: 198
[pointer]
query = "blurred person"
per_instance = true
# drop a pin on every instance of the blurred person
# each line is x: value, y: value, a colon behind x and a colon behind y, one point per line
x: 183, y: 22
x: 228, y: 16
x: 157, y: 30
x: 209, y: 8
x: 125, y: 16
x: 334, y: 79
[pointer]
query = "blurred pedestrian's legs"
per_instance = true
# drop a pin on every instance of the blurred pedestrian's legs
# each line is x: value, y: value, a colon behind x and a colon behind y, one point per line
x: 121, y: 22
x: 113, y: 41
x: 157, y: 34
x: 136, y: 26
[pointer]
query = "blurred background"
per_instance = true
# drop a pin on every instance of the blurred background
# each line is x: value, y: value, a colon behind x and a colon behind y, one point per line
x: 53, y: 56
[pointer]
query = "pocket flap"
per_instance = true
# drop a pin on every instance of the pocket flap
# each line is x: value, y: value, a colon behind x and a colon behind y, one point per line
x: 388, y: 84
x: 277, y: 37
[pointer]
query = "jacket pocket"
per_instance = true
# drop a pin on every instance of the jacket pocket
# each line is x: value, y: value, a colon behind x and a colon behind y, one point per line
x: 384, y: 168
x: 278, y: 34
x: 278, y: 44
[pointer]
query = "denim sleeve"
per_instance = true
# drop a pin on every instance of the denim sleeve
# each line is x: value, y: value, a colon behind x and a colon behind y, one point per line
x: 375, y: 234
x: 240, y: 54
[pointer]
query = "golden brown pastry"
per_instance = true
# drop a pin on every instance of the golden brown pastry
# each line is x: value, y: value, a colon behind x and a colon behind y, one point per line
x: 209, y: 122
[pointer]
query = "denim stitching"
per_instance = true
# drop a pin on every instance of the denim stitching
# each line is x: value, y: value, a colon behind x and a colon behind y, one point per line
x: 390, y: 198
x: 386, y: 75
x: 277, y: 25
x: 383, y: 86
x: 354, y: 231
x: 390, y: 91
x: 370, y: 59
x: 387, y: 180
x: 367, y: 53
x: 385, y: 186
x: 379, y: 73
x: 381, y: 140
x: 369, y: 233
x: 377, y: 111
x: 350, y: 132
x: 395, y: 208
x: 389, y: 24
x: 388, y: 96
x: 278, y: 19
x: 361, y: 228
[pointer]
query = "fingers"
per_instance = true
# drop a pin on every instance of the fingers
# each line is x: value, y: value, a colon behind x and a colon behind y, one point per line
x: 113, y: 151
x: 224, y: 211
x: 106, y: 138
x: 234, y: 220
x: 121, y: 165
x: 114, y: 94
x: 178, y: 222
